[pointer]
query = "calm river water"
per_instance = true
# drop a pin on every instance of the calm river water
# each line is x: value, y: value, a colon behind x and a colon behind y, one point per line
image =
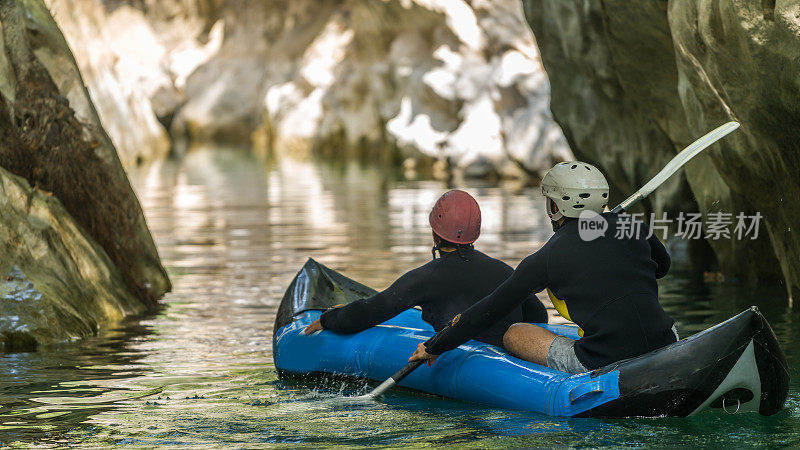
x: 232, y: 231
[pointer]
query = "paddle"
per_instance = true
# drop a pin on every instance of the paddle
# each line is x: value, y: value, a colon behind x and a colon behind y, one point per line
x: 391, y: 381
x: 676, y: 163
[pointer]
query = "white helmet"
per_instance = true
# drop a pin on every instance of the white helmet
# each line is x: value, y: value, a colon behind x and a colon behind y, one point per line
x: 574, y: 186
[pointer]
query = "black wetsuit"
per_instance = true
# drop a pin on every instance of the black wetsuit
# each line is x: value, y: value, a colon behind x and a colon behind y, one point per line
x: 442, y: 288
x: 608, y: 285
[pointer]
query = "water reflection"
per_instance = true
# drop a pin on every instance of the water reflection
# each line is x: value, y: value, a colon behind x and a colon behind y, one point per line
x: 233, y: 231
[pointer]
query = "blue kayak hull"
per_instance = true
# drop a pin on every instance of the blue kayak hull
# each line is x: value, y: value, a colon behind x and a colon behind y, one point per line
x: 475, y: 372
x: 738, y: 360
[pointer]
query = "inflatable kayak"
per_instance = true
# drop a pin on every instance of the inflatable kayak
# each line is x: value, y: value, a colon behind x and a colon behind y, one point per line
x: 736, y: 365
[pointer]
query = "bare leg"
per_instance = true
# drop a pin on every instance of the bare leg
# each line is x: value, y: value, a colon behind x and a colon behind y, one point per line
x: 528, y: 342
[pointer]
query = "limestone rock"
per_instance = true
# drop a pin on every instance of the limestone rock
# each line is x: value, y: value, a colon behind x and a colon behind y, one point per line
x: 118, y: 86
x: 604, y: 122
x: 134, y: 67
x: 57, y: 284
x: 451, y: 80
x: 447, y: 79
x: 635, y: 81
x: 738, y: 60
x: 67, y: 154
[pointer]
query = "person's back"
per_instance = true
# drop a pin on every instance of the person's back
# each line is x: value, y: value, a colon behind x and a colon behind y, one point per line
x: 457, y: 282
x: 443, y: 287
x: 609, y: 287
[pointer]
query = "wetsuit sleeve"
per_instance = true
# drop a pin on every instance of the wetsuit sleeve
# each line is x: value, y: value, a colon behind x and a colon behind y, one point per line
x: 659, y: 254
x: 404, y: 293
x: 533, y: 311
x: 529, y: 277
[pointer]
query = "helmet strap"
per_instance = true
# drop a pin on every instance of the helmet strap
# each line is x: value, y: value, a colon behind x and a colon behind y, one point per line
x: 555, y: 216
x: 553, y: 211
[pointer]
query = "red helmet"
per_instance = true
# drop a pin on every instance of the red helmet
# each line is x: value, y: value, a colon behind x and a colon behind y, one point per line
x: 456, y: 217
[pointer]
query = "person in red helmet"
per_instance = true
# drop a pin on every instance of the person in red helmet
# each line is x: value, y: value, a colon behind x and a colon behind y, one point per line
x: 443, y: 287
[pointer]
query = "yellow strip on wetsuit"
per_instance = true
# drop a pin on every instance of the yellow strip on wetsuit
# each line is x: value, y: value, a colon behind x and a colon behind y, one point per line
x: 561, y: 307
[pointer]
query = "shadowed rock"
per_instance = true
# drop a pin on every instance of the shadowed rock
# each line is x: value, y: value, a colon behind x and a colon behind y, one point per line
x: 42, y: 141
x: 57, y: 283
x: 633, y: 82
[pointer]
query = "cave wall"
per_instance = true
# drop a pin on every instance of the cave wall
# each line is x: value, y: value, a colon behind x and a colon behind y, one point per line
x: 633, y: 82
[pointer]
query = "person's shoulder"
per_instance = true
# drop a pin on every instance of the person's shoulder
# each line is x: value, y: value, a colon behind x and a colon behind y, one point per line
x: 418, y: 274
x: 483, y: 258
x: 564, y: 233
x: 425, y: 268
x: 417, y: 279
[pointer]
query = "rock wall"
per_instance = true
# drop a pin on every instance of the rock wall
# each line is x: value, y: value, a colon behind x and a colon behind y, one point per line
x: 635, y: 81
x: 455, y: 81
x: 445, y: 79
x: 74, y: 219
x: 134, y: 66
x: 57, y: 283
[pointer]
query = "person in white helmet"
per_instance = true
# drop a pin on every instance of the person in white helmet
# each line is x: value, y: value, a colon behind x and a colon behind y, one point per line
x: 606, y: 285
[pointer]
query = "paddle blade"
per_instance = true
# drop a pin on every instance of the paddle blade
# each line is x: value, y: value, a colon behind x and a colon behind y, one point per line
x: 676, y: 163
x: 687, y: 154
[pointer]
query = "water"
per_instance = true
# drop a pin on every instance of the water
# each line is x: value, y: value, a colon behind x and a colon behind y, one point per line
x: 233, y: 231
